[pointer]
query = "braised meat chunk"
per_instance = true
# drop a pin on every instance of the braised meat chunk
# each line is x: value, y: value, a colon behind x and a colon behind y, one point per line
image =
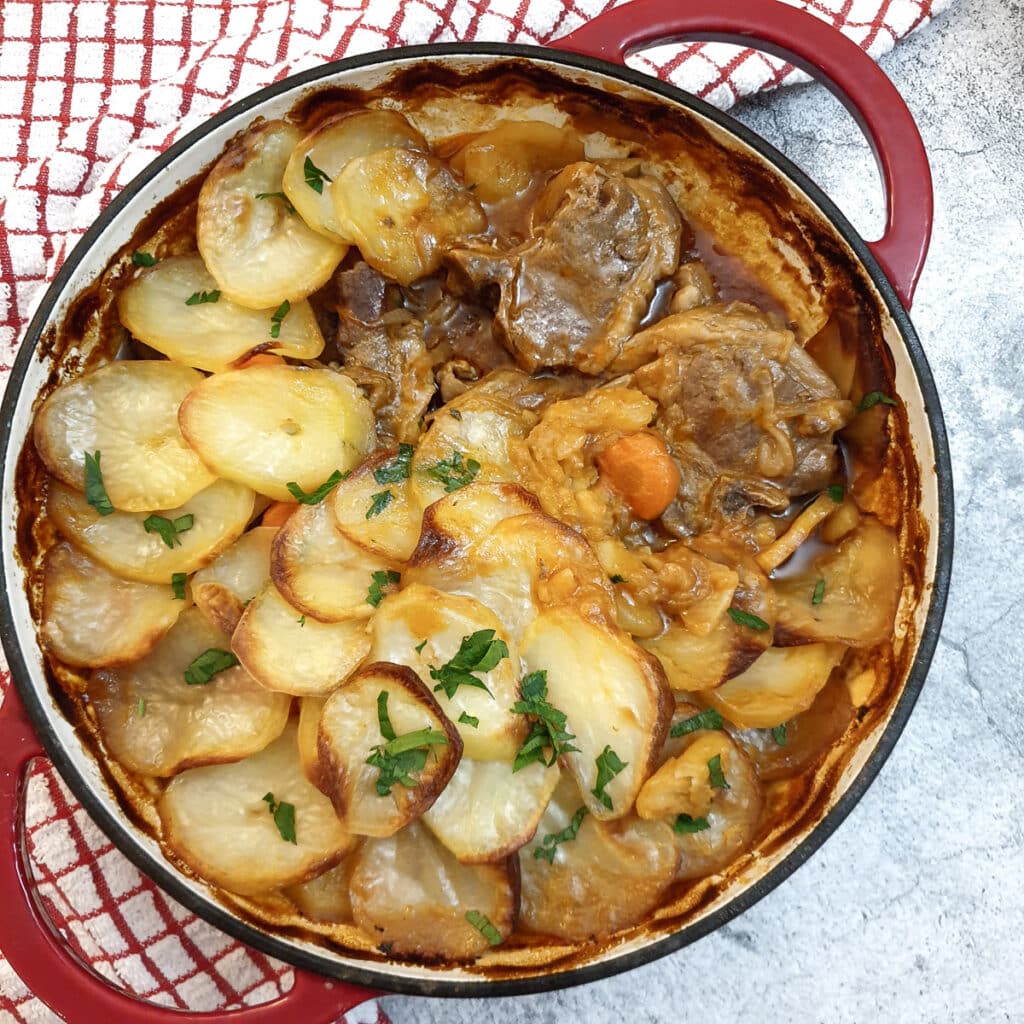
x: 576, y: 289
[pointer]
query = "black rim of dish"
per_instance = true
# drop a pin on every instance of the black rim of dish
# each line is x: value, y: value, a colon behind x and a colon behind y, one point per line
x: 436, y: 985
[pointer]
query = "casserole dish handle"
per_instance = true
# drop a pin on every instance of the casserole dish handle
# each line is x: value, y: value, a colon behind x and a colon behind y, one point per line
x: 828, y: 56
x: 71, y: 988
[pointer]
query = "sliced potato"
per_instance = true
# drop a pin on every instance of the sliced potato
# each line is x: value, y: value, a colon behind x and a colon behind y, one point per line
x: 392, y: 532
x: 223, y: 589
x: 413, y: 896
x: 81, y: 600
x: 487, y: 811
x: 505, y: 161
x: 350, y: 731
x: 273, y: 425
x: 319, y: 571
x: 285, y: 650
x: 217, y: 821
x: 421, y: 627
x: 120, y: 542
x: 155, y: 723
x: 863, y: 579
x: 781, y: 684
x: 309, y: 728
x: 209, y: 335
x: 611, y: 876
x: 326, y: 897
x: 128, y: 412
x: 613, y: 695
x: 403, y: 209
x: 260, y: 253
x: 330, y: 147
x: 693, y: 662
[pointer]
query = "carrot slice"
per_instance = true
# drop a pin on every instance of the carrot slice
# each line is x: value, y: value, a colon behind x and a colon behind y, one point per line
x: 640, y: 468
x: 261, y: 359
x: 279, y: 513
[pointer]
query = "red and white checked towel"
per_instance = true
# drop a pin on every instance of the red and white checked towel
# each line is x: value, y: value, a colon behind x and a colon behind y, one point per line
x: 90, y: 92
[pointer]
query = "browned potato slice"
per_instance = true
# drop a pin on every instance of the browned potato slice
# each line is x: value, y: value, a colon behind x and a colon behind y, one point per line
x: 217, y: 821
x: 486, y: 812
x: 309, y: 728
x: 609, y: 877
x: 120, y: 542
x: 209, y: 335
x: 128, y: 412
x: 223, y: 589
x: 614, y: 697
x: 782, y: 683
x: 693, y: 662
x: 351, y: 731
x: 412, y: 895
x: 403, y: 209
x: 422, y: 628
x: 260, y: 253
x: 330, y: 147
x: 505, y: 161
x: 80, y: 602
x: 863, y: 579
x: 326, y: 897
x: 271, y: 425
x: 320, y: 571
x: 285, y: 650
x: 155, y: 723
x: 390, y: 533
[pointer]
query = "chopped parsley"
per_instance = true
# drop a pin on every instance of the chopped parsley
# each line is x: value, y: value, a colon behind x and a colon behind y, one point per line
x: 819, y: 593
x: 546, y: 851
x: 419, y: 647
x: 549, y: 728
x: 454, y: 473
x: 178, y: 581
x: 382, y: 580
x: 617, y: 578
x: 208, y: 664
x: 316, y: 496
x: 471, y: 720
x: 284, y: 818
x: 277, y: 316
x: 140, y: 707
x: 198, y: 298
x: 836, y: 492
x: 378, y: 503
x: 169, y: 529
x: 779, y: 734
x: 95, y: 492
x: 478, y: 652
x: 742, y: 618
x: 608, y: 766
x: 709, y: 719
x: 397, y: 469
x: 314, y: 176
x: 301, y: 620
x: 144, y: 259
x: 685, y: 825
x: 401, y: 755
x: 715, y: 773
x: 277, y: 195
x: 872, y: 398
x: 481, y: 923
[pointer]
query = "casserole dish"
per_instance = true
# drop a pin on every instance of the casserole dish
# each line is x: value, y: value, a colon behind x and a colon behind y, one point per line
x: 884, y: 276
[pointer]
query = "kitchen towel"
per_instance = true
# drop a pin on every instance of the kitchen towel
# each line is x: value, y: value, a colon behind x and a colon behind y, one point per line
x: 90, y: 92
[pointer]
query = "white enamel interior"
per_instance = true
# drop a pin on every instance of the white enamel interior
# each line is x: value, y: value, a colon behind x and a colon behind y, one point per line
x: 119, y: 231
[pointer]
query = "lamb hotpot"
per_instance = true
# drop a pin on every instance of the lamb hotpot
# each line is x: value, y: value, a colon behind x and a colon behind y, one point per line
x: 828, y: 282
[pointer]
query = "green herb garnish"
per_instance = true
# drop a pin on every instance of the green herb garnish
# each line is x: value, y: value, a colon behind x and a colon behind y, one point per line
x: 315, y: 497
x: 617, y: 578
x: 549, y: 729
x: 301, y: 620
x: 742, y: 618
x: 169, y: 529
x: 819, y: 592
x: 140, y: 707
x: 198, y: 298
x: 383, y: 578
x: 608, y: 766
x: 715, y: 773
x: 277, y: 195
x: 471, y: 720
x: 454, y: 472
x: 397, y: 469
x: 546, y: 851
x: 401, y: 755
x: 484, y: 927
x: 208, y: 664
x: 419, y: 647
x: 836, y: 492
x: 178, y: 581
x: 479, y: 652
x: 685, y: 825
x: 314, y: 176
x: 872, y: 398
x: 95, y: 492
x: 284, y: 818
x: 378, y: 503
x: 277, y: 316
x: 144, y: 259
x: 709, y: 719
x: 779, y: 734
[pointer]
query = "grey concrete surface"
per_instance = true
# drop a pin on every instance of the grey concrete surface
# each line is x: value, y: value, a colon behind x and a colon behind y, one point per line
x: 914, y: 910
